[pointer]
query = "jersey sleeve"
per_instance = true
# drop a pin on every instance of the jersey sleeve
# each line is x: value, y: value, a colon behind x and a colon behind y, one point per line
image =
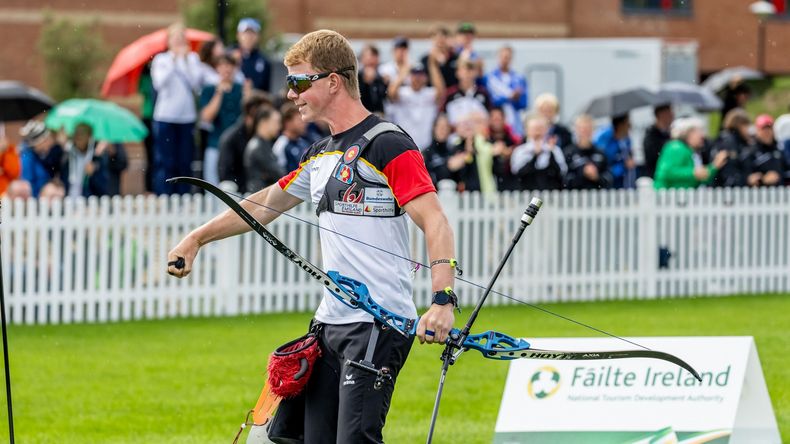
x: 297, y: 182
x: 397, y: 157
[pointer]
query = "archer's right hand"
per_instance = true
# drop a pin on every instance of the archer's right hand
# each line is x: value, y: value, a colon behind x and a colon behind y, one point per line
x: 180, y: 258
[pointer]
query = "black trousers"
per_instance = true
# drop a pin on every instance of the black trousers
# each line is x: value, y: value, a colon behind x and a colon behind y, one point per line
x: 339, y: 403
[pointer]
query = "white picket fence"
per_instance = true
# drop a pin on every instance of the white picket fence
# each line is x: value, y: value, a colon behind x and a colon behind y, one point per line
x: 99, y: 260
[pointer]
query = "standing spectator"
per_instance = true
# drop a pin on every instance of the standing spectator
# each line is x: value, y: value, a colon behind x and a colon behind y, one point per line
x: 291, y: 144
x: 548, y: 106
x: 539, y: 163
x: 616, y: 144
x: 466, y: 98
x: 508, y: 90
x: 414, y: 106
x: 254, y: 65
x: 445, y: 56
x: 84, y: 170
x: 764, y: 162
x: 399, y: 62
x: 233, y: 142
x: 147, y: 91
x: 678, y: 165
x: 655, y: 138
x: 10, y: 166
x: 587, y: 169
x: 260, y: 163
x: 176, y: 77
x: 736, y: 141
x: 41, y: 156
x: 209, y: 53
x: 471, y: 161
x: 116, y: 160
x: 736, y: 95
x: 437, y: 154
x: 503, y: 141
x: 220, y: 108
x: 465, y: 47
x: 372, y: 88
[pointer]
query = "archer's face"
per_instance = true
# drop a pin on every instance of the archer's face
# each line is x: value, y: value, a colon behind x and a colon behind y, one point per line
x: 312, y: 102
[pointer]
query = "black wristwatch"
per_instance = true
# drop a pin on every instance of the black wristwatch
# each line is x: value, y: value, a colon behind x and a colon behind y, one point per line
x: 446, y: 296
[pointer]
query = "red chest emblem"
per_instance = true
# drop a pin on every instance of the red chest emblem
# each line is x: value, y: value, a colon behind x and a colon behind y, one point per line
x: 351, y: 153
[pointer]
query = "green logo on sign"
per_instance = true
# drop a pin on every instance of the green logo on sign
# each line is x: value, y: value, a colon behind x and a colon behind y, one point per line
x: 544, y: 383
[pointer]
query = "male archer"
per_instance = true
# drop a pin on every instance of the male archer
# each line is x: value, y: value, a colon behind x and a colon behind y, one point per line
x: 366, y: 180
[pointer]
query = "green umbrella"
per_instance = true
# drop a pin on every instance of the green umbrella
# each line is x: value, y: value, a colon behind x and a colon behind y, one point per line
x: 109, y: 121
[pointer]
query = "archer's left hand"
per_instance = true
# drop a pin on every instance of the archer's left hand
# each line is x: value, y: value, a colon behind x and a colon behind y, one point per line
x: 438, y: 319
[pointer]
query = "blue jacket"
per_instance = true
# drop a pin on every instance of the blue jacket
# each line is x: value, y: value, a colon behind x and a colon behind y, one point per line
x: 258, y: 69
x: 616, y: 151
x: 38, y: 171
x: 501, y: 91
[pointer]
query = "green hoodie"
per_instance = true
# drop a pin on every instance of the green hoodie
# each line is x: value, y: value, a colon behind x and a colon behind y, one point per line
x: 675, y: 168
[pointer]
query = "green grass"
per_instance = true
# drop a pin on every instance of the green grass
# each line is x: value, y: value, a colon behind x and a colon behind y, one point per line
x: 192, y: 380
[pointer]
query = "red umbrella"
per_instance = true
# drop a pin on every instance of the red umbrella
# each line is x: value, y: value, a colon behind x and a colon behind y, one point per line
x: 124, y: 73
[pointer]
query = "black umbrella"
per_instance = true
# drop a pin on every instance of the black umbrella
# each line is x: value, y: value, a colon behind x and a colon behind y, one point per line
x: 717, y: 81
x: 620, y: 103
x: 689, y: 94
x: 21, y: 102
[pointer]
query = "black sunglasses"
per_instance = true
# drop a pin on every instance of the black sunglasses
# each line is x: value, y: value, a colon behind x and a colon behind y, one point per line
x: 300, y: 83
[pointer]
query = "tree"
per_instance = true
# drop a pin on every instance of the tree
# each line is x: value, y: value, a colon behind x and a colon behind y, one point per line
x: 202, y: 14
x: 73, y: 53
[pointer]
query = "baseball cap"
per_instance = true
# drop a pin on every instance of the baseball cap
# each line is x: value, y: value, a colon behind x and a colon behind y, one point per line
x: 763, y: 120
x: 248, y: 24
x: 418, y: 68
x: 466, y: 28
x: 400, y: 42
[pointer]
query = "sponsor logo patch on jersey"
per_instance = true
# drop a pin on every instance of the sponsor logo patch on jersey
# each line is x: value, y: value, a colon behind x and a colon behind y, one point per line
x: 345, y: 174
x: 377, y: 209
x: 356, y: 209
x: 351, y: 196
x: 351, y: 153
x: 379, y: 195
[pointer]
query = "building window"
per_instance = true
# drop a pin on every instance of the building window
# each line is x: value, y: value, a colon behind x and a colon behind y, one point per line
x: 673, y: 7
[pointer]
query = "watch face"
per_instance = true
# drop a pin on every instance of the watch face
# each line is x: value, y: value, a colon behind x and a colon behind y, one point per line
x: 441, y: 298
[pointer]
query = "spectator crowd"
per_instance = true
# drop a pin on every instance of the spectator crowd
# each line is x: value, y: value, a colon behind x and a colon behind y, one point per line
x: 215, y: 113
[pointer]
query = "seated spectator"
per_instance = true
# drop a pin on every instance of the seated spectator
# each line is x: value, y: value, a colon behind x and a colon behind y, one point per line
x: 18, y: 189
x: 471, y: 162
x: 10, y: 166
x: 400, y: 60
x: 503, y: 141
x: 548, y: 106
x: 52, y: 190
x: 655, y: 138
x: 41, y: 156
x: 678, y: 164
x: 587, y: 167
x: 414, y: 106
x: 437, y: 154
x: 466, y: 98
x: 372, y: 88
x: 220, y: 108
x: 233, y: 142
x: 291, y: 145
x: 508, y: 90
x: 444, y: 54
x: 85, y: 172
x: 763, y: 164
x: 736, y: 141
x: 117, y: 161
x: 539, y: 163
x: 616, y: 144
x: 260, y: 163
